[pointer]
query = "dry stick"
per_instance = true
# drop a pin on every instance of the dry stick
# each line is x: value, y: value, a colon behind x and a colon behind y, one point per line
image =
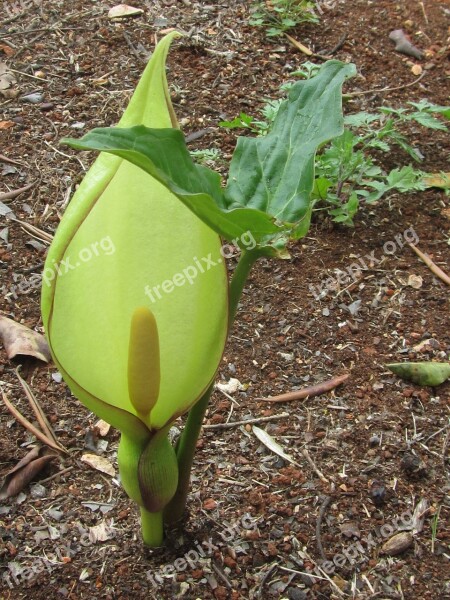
x: 62, y: 472
x: 323, y: 508
x: 334, y: 585
x: 28, y: 426
x: 236, y: 423
x: 386, y: 89
x: 319, y: 474
x: 309, y: 392
x: 222, y: 576
x: 306, y: 50
x: 40, y: 415
x: 35, y: 231
x: 14, y: 193
x: 266, y: 576
x: 431, y: 265
x: 10, y: 160
x: 339, y: 45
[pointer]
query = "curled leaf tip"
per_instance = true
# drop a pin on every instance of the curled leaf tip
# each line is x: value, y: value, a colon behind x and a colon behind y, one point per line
x: 143, y: 361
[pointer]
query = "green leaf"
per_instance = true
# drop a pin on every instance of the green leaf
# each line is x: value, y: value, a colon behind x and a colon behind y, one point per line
x: 427, y: 120
x: 163, y: 154
x: 425, y: 105
x: 321, y: 187
x: 275, y: 173
x: 425, y: 373
x: 361, y: 119
x: 243, y: 120
x: 405, y: 179
x: 271, y: 178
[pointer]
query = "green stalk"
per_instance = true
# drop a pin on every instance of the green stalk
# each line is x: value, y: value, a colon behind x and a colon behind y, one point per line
x: 152, y: 528
x: 188, y: 440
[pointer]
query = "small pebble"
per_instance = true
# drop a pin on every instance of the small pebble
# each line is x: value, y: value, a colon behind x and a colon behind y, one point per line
x: 38, y: 491
x: 374, y: 441
x: 377, y: 493
x: 413, y: 465
x: 35, y: 98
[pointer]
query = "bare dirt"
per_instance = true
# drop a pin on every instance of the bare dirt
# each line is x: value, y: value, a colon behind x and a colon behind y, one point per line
x: 257, y: 526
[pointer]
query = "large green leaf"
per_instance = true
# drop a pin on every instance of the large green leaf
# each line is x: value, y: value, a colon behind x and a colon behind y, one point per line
x: 163, y: 154
x: 271, y: 178
x: 275, y: 173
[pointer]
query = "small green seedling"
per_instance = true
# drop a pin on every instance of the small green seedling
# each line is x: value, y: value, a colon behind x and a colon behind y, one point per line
x: 138, y: 334
x: 278, y: 16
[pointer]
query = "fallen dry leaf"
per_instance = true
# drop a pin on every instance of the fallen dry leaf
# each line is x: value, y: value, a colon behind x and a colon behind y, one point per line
x: 234, y: 385
x: 7, y: 79
x: 438, y: 180
x: 397, y: 544
x: 123, y: 10
x: 6, y: 49
x: 209, y: 504
x: 350, y: 529
x: 420, y: 512
x: 25, y: 470
x: 100, y: 533
x: 20, y: 340
x: 6, y: 124
x: 415, y: 281
x: 272, y: 445
x: 99, y: 463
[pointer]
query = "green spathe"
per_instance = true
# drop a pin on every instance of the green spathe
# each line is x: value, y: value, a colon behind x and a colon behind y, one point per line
x: 88, y: 310
x: 137, y: 359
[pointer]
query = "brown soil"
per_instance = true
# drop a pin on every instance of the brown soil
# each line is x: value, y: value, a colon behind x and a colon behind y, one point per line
x: 381, y: 444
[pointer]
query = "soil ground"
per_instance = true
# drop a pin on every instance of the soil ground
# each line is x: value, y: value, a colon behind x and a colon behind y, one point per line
x: 257, y: 526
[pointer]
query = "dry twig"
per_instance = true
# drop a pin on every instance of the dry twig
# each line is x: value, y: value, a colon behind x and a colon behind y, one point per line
x: 40, y: 415
x: 431, y: 265
x: 309, y: 392
x: 319, y: 474
x: 29, y: 426
x: 245, y: 422
x: 306, y: 50
x: 386, y: 89
x: 15, y: 193
x: 5, y: 159
x: 325, y: 504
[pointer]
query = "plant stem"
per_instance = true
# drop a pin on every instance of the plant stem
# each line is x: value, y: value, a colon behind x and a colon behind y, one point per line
x: 239, y: 279
x: 188, y: 439
x: 152, y: 528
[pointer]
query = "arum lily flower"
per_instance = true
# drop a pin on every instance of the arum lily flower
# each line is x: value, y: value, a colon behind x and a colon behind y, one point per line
x: 135, y: 320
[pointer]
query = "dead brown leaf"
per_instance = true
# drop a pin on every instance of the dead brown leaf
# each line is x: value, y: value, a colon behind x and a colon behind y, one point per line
x: 25, y: 470
x: 20, y: 340
x: 123, y: 11
x: 99, y: 463
x: 7, y: 79
x: 6, y: 49
x: 438, y: 180
x: 6, y: 124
